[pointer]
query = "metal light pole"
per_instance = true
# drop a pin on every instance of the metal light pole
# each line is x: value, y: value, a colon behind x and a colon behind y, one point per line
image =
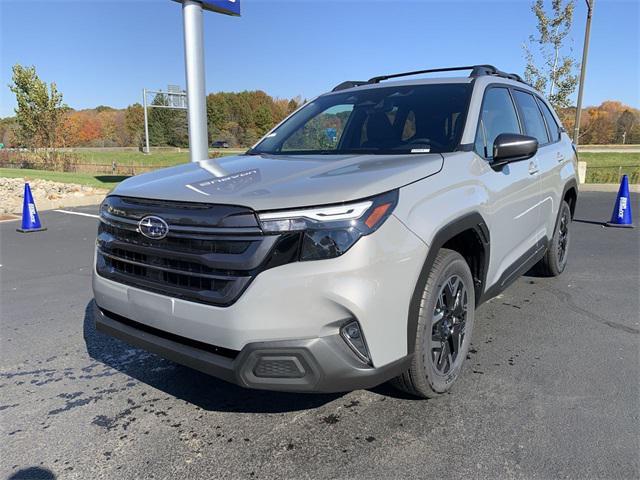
x: 194, y: 70
x: 583, y: 71
x: 146, y: 121
x: 175, y: 100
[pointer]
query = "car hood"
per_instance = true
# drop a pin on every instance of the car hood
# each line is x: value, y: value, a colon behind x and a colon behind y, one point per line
x: 265, y: 182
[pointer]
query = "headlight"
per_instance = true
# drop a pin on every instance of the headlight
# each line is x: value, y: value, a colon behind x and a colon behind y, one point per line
x: 330, y: 231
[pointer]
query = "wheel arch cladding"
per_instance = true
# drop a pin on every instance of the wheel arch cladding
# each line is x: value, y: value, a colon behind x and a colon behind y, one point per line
x: 469, y: 236
x: 570, y: 195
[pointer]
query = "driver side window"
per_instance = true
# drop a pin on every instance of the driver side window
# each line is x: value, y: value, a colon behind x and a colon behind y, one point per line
x: 498, y: 116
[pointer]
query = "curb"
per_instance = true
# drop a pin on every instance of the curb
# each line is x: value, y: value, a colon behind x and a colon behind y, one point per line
x: 44, y: 204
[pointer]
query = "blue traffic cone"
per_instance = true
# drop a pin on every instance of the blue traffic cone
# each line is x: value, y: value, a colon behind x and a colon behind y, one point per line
x: 621, y: 216
x: 30, y: 218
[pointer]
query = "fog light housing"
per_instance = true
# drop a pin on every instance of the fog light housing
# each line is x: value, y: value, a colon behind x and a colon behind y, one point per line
x: 353, y: 336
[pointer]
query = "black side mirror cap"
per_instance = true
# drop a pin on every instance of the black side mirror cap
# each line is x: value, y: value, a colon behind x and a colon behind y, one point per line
x: 513, y: 147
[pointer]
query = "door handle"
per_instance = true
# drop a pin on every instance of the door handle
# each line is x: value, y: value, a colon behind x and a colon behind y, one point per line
x: 559, y: 157
x: 533, y: 168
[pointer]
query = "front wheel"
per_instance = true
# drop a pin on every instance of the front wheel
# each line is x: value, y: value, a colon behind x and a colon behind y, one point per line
x: 445, y: 324
x: 555, y: 260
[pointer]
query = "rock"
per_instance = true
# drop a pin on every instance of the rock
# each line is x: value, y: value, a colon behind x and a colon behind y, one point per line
x: 12, y: 191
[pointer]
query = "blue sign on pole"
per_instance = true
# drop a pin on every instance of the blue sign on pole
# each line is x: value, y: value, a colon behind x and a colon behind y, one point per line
x: 228, y: 7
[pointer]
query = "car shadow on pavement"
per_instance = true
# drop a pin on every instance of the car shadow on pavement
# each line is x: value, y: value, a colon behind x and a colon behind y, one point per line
x: 33, y: 473
x: 590, y: 222
x: 204, y: 391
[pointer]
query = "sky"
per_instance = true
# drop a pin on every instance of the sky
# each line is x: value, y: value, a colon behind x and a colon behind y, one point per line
x: 104, y: 52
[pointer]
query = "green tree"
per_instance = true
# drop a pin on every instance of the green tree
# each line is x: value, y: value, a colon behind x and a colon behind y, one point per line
x: 40, y: 110
x: 626, y: 122
x: 134, y: 123
x: 292, y: 106
x: 242, y: 118
x: 167, y: 126
x: 263, y: 120
x: 550, y: 69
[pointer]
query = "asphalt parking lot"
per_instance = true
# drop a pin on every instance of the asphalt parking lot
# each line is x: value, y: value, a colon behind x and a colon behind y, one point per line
x: 550, y: 390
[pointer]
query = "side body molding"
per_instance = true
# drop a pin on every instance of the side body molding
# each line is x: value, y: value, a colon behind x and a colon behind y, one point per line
x: 471, y: 221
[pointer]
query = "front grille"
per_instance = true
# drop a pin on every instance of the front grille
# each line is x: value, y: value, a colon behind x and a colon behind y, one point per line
x: 188, y: 245
x: 210, y: 254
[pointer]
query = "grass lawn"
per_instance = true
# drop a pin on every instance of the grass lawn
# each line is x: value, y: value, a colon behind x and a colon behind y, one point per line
x: 607, y: 159
x: 602, y: 167
x: 156, y: 158
x: 607, y: 167
x: 97, y: 180
x: 161, y: 158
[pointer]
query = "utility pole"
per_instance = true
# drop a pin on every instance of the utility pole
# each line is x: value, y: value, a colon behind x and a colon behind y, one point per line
x: 583, y: 70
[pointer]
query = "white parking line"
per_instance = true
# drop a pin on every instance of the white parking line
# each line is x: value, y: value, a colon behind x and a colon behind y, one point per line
x: 78, y: 213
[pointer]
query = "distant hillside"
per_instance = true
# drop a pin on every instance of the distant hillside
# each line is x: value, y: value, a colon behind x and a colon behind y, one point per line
x: 242, y: 118
x: 238, y: 118
x: 611, y: 122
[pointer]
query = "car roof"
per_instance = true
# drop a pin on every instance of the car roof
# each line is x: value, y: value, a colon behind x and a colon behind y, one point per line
x: 481, y: 81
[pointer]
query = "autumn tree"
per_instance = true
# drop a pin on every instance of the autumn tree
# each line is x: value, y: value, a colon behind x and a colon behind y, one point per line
x: 550, y: 67
x: 8, y: 128
x: 606, y: 123
x: 242, y: 118
x: 40, y: 109
x: 239, y: 118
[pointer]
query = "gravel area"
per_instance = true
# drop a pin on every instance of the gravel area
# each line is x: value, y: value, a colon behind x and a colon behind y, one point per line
x: 47, y: 194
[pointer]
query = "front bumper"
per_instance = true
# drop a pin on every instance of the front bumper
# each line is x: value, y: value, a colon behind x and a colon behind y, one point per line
x: 372, y: 283
x: 322, y: 364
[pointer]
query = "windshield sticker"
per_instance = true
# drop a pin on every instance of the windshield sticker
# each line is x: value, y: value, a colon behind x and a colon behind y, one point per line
x: 227, y: 184
x: 420, y: 150
x: 271, y: 135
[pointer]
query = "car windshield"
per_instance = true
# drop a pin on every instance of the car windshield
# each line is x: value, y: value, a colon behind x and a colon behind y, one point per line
x: 387, y: 120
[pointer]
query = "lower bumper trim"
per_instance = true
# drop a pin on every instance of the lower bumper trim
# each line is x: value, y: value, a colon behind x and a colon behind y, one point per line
x: 325, y: 364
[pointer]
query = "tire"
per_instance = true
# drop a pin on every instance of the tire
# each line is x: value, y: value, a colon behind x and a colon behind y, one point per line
x: 555, y: 259
x: 445, y: 323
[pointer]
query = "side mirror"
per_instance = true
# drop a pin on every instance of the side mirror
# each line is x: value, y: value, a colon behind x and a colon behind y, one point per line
x: 513, y: 147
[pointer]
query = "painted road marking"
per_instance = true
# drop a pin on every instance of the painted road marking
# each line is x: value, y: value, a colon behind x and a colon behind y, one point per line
x: 82, y: 214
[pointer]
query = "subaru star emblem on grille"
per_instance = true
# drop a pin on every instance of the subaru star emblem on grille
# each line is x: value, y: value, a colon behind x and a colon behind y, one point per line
x: 153, y: 227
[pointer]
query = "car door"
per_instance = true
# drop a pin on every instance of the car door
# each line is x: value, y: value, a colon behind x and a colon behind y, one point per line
x: 557, y: 155
x: 513, y: 213
x: 534, y: 125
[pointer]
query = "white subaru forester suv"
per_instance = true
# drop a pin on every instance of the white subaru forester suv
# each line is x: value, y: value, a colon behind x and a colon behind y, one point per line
x: 352, y: 244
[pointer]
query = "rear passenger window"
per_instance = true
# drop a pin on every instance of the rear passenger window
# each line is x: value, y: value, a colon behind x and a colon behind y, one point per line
x: 498, y: 116
x: 531, y: 116
x: 552, y: 125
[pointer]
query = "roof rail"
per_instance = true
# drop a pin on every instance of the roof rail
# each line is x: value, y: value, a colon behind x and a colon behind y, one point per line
x: 349, y: 84
x: 418, y: 72
x: 480, y: 70
x: 476, y: 71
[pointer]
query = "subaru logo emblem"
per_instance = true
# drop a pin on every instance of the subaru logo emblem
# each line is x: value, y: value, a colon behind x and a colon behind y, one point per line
x: 153, y: 227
